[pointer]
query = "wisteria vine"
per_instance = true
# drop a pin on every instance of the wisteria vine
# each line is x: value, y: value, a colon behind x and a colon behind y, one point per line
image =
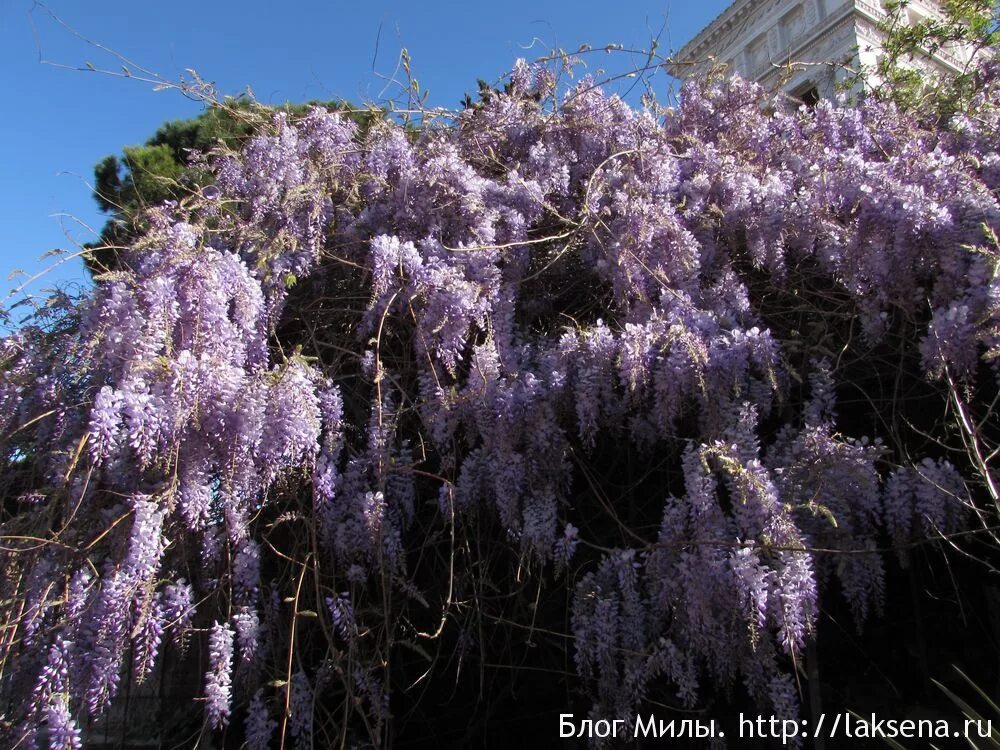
x: 360, y: 356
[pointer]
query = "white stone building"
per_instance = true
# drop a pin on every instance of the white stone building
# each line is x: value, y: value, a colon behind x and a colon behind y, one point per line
x: 805, y: 43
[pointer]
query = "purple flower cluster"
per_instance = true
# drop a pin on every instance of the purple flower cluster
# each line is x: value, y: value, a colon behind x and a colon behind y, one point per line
x: 488, y: 307
x: 219, y: 678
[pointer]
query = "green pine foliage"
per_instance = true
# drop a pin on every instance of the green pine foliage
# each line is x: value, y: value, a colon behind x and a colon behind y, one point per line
x: 170, y: 166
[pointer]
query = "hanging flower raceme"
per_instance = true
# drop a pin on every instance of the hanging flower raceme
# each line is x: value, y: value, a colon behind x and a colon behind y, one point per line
x: 334, y: 390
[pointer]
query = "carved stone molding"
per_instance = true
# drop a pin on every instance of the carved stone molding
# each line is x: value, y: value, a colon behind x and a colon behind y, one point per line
x: 811, y: 13
x: 758, y: 35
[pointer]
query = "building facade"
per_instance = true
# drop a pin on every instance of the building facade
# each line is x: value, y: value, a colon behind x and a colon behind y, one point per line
x: 806, y: 46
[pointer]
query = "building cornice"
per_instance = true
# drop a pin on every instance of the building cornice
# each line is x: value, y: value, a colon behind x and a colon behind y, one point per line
x: 868, y: 14
x: 692, y: 53
x: 717, y: 26
x: 834, y: 24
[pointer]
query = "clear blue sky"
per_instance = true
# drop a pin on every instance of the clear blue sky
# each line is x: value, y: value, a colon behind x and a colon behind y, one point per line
x: 58, y: 122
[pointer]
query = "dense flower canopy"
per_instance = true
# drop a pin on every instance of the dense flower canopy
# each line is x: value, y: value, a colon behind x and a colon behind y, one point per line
x: 320, y: 398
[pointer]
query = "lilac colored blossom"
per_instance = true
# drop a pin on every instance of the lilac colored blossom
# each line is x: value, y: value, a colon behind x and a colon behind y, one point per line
x: 342, y: 614
x: 110, y: 618
x: 77, y: 593
x: 373, y: 692
x: 177, y: 605
x: 796, y: 591
x: 248, y: 631
x: 300, y: 724
x: 105, y: 421
x: 927, y: 499
x: 54, y: 677
x: 37, y: 593
x: 218, y: 678
x: 784, y: 697
x: 64, y: 733
x: 259, y: 725
x: 246, y: 570
x: 106, y: 636
x: 142, y: 412
x: 753, y: 582
x: 147, y: 636
x: 285, y: 367
x: 291, y: 420
x: 565, y: 547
